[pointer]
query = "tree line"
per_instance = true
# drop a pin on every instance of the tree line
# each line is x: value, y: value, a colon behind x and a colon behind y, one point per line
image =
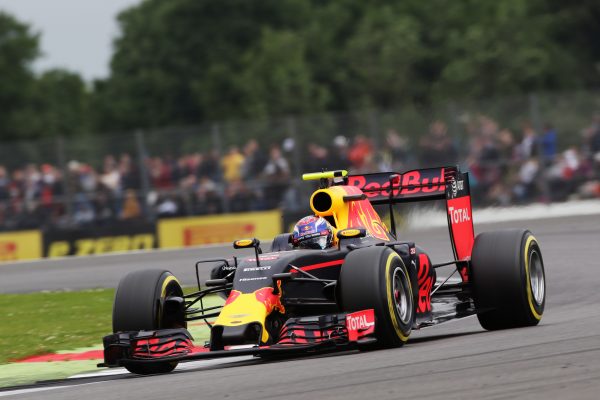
x: 183, y: 62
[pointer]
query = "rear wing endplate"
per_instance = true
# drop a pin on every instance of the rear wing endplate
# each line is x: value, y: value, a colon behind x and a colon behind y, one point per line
x: 443, y: 183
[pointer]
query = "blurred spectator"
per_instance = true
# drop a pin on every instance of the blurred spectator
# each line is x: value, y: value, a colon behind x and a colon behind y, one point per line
x: 503, y: 171
x: 549, y: 143
x: 240, y: 197
x: 360, y: 152
x: 276, y: 175
x: 526, y: 188
x: 207, y: 199
x: 436, y: 148
x: 232, y: 165
x: 254, y: 160
x: 395, y: 154
x: 528, y: 145
x: 339, y: 153
x: 131, y: 206
x: 591, y: 136
x: 167, y: 207
x: 209, y: 166
x: 318, y: 159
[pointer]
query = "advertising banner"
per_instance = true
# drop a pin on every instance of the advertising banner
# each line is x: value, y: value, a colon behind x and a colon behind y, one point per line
x: 20, y: 245
x: 195, y: 231
x: 115, y: 238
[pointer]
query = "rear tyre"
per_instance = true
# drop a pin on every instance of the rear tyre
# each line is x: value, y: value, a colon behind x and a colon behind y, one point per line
x: 376, y: 277
x: 508, y: 279
x: 139, y: 305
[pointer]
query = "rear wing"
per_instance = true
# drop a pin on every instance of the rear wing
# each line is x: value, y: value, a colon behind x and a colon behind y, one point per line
x: 443, y: 183
x: 415, y: 185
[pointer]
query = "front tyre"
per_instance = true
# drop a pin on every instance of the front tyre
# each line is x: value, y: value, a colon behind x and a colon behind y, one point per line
x: 376, y: 277
x: 508, y: 279
x: 140, y: 305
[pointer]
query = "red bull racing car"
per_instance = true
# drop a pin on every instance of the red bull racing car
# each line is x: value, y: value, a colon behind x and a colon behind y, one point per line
x: 368, y: 290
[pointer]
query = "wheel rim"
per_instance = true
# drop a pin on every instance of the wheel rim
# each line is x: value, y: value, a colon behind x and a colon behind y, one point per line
x: 536, y: 278
x: 402, y: 297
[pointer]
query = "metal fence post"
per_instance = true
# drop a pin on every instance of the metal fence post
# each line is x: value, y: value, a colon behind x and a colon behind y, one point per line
x: 62, y: 161
x: 142, y: 156
x: 374, y: 127
x: 215, y: 132
x: 536, y: 121
x: 292, y: 129
x: 453, y: 129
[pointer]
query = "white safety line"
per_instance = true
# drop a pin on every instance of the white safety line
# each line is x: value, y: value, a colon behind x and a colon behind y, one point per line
x: 181, y: 367
x: 41, y: 389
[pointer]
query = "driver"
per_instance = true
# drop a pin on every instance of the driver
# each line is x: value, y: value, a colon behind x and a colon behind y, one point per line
x: 313, y: 233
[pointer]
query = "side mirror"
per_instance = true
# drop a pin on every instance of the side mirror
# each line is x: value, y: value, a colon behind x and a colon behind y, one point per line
x: 246, y: 243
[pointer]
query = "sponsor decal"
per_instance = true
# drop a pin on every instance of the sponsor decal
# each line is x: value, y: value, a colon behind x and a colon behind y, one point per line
x: 261, y: 268
x: 458, y: 215
x: 101, y: 245
x: 461, y: 224
x: 238, y: 315
x: 425, y: 281
x: 244, y: 242
x: 411, y: 182
x: 225, y: 228
x: 350, y: 233
x: 362, y: 214
x: 232, y: 296
x: 20, y: 245
x: 263, y: 258
x: 270, y: 300
x: 360, y: 324
x: 257, y: 278
x: 8, y: 250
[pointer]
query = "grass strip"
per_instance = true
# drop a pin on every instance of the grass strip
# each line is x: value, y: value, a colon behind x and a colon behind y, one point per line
x: 41, y: 323
x: 49, y: 322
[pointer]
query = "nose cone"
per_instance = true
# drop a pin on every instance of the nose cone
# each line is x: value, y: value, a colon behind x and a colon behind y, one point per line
x: 244, y: 315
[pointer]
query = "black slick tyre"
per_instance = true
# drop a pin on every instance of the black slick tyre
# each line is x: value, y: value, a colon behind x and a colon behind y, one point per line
x: 139, y: 305
x: 376, y: 277
x: 508, y: 279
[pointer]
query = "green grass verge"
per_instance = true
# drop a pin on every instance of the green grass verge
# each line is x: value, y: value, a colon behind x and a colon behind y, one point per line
x: 42, y: 323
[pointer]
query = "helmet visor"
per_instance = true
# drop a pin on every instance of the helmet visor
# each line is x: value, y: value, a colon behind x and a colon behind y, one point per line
x: 319, y: 242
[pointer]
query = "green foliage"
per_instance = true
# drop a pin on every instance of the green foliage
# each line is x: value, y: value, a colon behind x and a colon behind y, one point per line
x: 18, y: 48
x: 58, y: 105
x: 185, y: 62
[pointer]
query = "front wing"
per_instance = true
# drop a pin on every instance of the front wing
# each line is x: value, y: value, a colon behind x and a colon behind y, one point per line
x: 297, y: 336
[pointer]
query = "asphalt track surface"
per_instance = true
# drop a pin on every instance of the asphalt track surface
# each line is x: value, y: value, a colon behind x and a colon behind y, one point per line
x: 560, y: 358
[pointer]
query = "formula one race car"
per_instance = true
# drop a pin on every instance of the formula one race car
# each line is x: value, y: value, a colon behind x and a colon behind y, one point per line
x: 368, y: 291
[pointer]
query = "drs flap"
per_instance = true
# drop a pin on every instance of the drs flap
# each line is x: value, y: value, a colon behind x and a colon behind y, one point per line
x: 415, y: 185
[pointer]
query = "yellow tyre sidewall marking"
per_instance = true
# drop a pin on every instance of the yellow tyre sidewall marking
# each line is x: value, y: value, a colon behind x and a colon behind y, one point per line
x: 535, y: 314
x: 163, y: 291
x: 391, y: 305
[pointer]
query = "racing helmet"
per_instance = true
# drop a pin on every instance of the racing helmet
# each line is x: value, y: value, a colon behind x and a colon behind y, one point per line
x: 312, y: 233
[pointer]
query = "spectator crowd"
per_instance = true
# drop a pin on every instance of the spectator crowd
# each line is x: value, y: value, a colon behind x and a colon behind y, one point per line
x: 506, y: 168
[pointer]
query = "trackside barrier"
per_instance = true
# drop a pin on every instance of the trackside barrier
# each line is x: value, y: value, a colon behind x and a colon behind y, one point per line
x: 20, y: 245
x: 224, y: 228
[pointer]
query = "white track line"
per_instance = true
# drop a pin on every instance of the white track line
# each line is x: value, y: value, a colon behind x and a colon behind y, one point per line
x: 41, y: 389
x: 181, y: 367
